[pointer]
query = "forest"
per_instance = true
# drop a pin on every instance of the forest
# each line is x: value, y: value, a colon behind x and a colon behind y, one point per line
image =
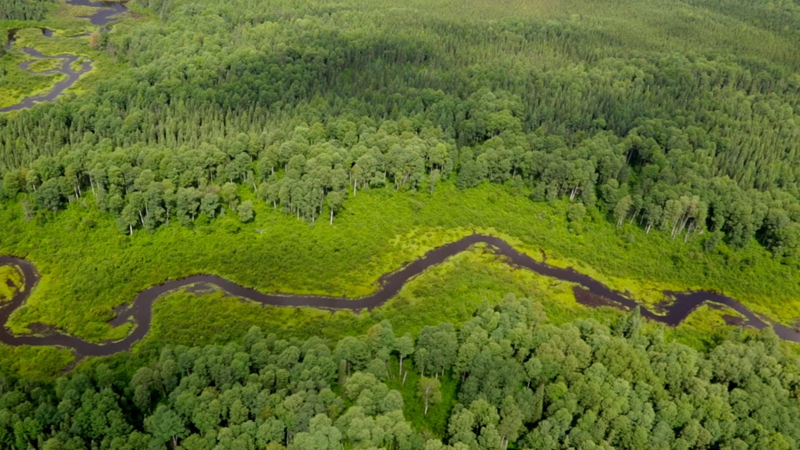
x: 307, y: 112
x: 506, y: 379
x: 310, y: 147
x: 25, y: 9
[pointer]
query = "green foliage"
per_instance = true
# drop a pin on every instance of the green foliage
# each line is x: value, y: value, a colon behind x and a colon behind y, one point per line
x: 10, y: 282
x: 558, y: 107
x: 311, y: 147
x: 24, y: 9
x: 685, y: 141
x: 526, y: 384
x: 245, y: 211
x: 15, y: 83
x: 430, y: 391
x: 89, y: 268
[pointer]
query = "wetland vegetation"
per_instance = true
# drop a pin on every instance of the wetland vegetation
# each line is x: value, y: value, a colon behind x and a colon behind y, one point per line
x: 309, y: 148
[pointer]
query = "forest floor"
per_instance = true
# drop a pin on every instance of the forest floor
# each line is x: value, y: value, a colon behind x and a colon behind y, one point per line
x: 88, y: 268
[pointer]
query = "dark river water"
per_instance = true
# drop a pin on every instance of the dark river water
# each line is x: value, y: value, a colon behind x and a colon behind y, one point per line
x: 588, y: 291
x: 105, y: 14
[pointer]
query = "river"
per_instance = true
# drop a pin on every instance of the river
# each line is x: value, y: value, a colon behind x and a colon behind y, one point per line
x: 588, y: 291
x: 105, y: 14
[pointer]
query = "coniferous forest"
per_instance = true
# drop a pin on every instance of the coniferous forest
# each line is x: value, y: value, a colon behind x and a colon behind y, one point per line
x: 314, y: 147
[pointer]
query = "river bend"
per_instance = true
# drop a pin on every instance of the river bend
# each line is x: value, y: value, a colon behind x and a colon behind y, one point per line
x: 588, y: 291
x: 105, y: 14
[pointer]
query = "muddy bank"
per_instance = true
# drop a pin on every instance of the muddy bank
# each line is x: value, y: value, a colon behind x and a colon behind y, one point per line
x: 140, y: 311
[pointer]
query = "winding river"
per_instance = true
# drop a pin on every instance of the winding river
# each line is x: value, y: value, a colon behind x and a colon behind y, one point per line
x: 105, y: 14
x: 587, y: 290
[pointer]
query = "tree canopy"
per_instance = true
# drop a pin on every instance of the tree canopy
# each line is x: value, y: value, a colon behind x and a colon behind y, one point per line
x: 312, y: 103
x: 518, y: 380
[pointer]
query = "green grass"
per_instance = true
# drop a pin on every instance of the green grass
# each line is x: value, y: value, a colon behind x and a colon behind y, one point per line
x: 44, y: 64
x: 17, y: 84
x: 89, y: 268
x: 34, y: 363
x: 434, y: 424
x: 705, y: 327
x: 450, y: 292
x: 11, y: 281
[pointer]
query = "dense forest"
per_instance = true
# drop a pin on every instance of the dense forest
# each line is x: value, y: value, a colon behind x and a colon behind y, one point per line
x: 311, y: 103
x: 505, y: 379
x: 24, y: 9
x: 249, y: 139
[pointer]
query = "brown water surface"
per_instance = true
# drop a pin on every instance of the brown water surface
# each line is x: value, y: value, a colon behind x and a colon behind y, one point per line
x: 140, y: 311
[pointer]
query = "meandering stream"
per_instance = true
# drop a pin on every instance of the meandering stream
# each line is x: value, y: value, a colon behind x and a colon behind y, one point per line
x: 105, y: 14
x: 588, y: 291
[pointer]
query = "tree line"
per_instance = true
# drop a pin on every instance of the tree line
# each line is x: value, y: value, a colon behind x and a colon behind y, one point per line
x: 685, y: 143
x: 642, y: 178
x: 24, y: 10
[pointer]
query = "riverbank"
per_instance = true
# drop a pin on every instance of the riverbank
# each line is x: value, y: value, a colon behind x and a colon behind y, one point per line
x: 450, y: 292
x: 587, y: 291
x: 89, y: 268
